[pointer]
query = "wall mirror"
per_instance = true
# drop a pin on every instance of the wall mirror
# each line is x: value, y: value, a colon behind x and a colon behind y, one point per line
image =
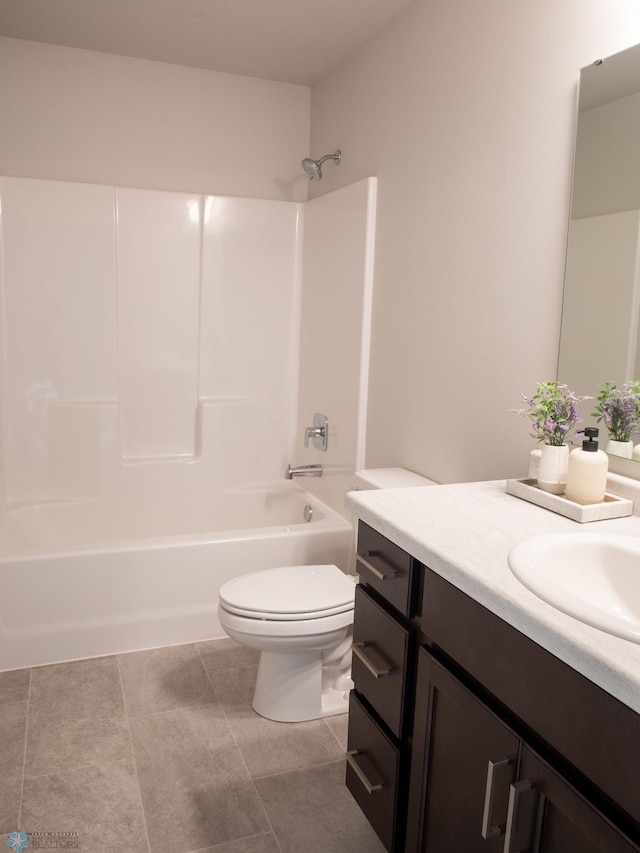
x: 600, y: 336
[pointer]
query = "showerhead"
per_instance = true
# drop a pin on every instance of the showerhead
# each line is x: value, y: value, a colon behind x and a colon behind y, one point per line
x: 313, y: 168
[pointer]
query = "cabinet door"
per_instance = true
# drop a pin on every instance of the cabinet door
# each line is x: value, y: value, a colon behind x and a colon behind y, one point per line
x: 547, y: 815
x: 464, y: 760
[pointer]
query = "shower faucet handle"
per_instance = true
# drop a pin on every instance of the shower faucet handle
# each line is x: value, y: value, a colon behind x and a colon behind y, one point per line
x: 319, y: 432
x: 312, y: 432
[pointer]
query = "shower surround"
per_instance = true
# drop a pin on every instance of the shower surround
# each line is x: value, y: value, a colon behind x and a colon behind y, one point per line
x: 134, y: 322
x: 151, y: 366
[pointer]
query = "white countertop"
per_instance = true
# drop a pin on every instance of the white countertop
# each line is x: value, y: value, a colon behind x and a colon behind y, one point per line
x: 464, y: 533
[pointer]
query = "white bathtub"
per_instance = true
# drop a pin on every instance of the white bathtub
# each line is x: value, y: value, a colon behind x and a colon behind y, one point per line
x: 78, y: 581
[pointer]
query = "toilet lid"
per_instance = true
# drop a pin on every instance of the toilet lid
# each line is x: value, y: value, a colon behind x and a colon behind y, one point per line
x: 291, y: 592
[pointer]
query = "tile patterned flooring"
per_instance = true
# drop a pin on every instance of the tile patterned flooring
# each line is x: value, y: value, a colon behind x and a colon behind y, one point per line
x: 160, y: 751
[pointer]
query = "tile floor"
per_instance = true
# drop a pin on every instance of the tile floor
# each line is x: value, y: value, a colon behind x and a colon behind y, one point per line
x: 160, y: 751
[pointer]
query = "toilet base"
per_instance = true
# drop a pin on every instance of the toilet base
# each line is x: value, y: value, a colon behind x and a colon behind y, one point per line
x: 289, y: 688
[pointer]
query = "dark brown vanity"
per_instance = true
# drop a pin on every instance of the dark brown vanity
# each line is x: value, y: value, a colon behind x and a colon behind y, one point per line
x: 465, y: 735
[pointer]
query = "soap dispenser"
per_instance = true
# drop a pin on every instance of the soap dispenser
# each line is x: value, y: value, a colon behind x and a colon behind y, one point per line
x: 587, y: 471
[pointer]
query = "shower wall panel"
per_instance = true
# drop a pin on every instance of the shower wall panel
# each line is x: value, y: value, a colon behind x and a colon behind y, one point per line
x: 150, y: 340
x: 58, y: 270
x: 158, y: 286
x: 250, y: 324
x: 339, y: 243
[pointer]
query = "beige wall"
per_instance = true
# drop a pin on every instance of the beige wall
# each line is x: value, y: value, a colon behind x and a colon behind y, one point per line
x: 79, y: 115
x: 465, y: 112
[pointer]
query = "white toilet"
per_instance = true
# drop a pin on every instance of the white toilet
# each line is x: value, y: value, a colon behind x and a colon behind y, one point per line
x: 301, y: 620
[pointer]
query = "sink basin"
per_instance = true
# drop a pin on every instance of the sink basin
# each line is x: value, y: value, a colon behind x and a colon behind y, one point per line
x: 594, y: 577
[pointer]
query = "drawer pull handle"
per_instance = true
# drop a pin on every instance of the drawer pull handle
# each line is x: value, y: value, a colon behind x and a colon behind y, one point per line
x: 387, y: 574
x: 499, y: 773
x: 351, y: 761
x: 358, y: 650
x: 523, y: 823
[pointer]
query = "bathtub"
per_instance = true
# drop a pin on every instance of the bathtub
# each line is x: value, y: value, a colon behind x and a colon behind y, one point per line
x: 78, y: 580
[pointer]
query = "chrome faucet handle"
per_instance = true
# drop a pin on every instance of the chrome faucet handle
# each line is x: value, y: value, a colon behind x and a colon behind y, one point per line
x: 312, y: 432
x: 319, y: 432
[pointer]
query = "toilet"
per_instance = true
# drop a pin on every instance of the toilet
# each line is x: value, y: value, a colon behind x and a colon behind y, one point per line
x: 300, y: 618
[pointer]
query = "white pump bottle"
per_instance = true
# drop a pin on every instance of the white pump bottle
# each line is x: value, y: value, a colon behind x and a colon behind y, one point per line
x: 587, y: 471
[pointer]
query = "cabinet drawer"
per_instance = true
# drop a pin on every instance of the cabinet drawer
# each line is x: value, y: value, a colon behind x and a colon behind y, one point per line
x: 373, y: 772
x: 379, y: 665
x: 387, y: 568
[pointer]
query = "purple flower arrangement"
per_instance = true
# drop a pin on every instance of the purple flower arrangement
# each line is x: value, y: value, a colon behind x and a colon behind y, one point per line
x: 619, y: 409
x: 552, y: 411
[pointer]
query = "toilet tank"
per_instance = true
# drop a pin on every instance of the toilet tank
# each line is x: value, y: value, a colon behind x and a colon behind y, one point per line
x: 389, y: 478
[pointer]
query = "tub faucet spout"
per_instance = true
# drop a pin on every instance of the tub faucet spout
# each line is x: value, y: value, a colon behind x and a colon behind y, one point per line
x: 303, y: 471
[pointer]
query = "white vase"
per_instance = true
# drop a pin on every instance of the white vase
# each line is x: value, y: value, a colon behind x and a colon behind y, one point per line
x: 552, y: 470
x: 620, y: 448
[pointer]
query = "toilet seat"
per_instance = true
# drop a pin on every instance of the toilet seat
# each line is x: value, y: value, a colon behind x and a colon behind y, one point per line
x: 290, y: 593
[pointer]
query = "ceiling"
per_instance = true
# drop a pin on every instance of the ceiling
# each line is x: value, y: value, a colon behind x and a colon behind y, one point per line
x: 292, y: 41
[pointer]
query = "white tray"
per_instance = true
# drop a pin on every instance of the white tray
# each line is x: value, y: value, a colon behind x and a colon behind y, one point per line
x: 611, y: 507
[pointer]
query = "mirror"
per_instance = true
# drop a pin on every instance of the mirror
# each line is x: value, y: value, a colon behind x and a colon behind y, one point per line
x: 600, y: 338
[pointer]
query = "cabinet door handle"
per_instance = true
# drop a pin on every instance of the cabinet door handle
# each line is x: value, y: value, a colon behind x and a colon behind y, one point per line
x: 369, y: 787
x: 521, y: 818
x: 383, y: 575
x: 499, y: 774
x: 377, y: 672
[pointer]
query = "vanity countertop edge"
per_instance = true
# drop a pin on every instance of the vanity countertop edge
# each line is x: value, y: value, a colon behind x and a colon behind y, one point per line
x: 464, y: 533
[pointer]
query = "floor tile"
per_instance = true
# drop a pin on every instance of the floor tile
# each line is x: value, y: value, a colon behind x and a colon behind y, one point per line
x: 235, y: 688
x: 312, y: 810
x: 266, y: 746
x: 13, y: 727
x: 339, y: 725
x: 59, y: 746
x: 14, y: 686
x: 101, y: 804
x: 10, y: 793
x: 194, y: 785
x: 164, y: 679
x: 87, y: 689
x: 194, y: 743
x: 226, y: 654
x: 257, y: 844
x: 204, y: 814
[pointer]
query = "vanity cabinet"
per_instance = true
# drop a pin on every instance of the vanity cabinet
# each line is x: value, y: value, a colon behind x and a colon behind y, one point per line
x: 465, y: 735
